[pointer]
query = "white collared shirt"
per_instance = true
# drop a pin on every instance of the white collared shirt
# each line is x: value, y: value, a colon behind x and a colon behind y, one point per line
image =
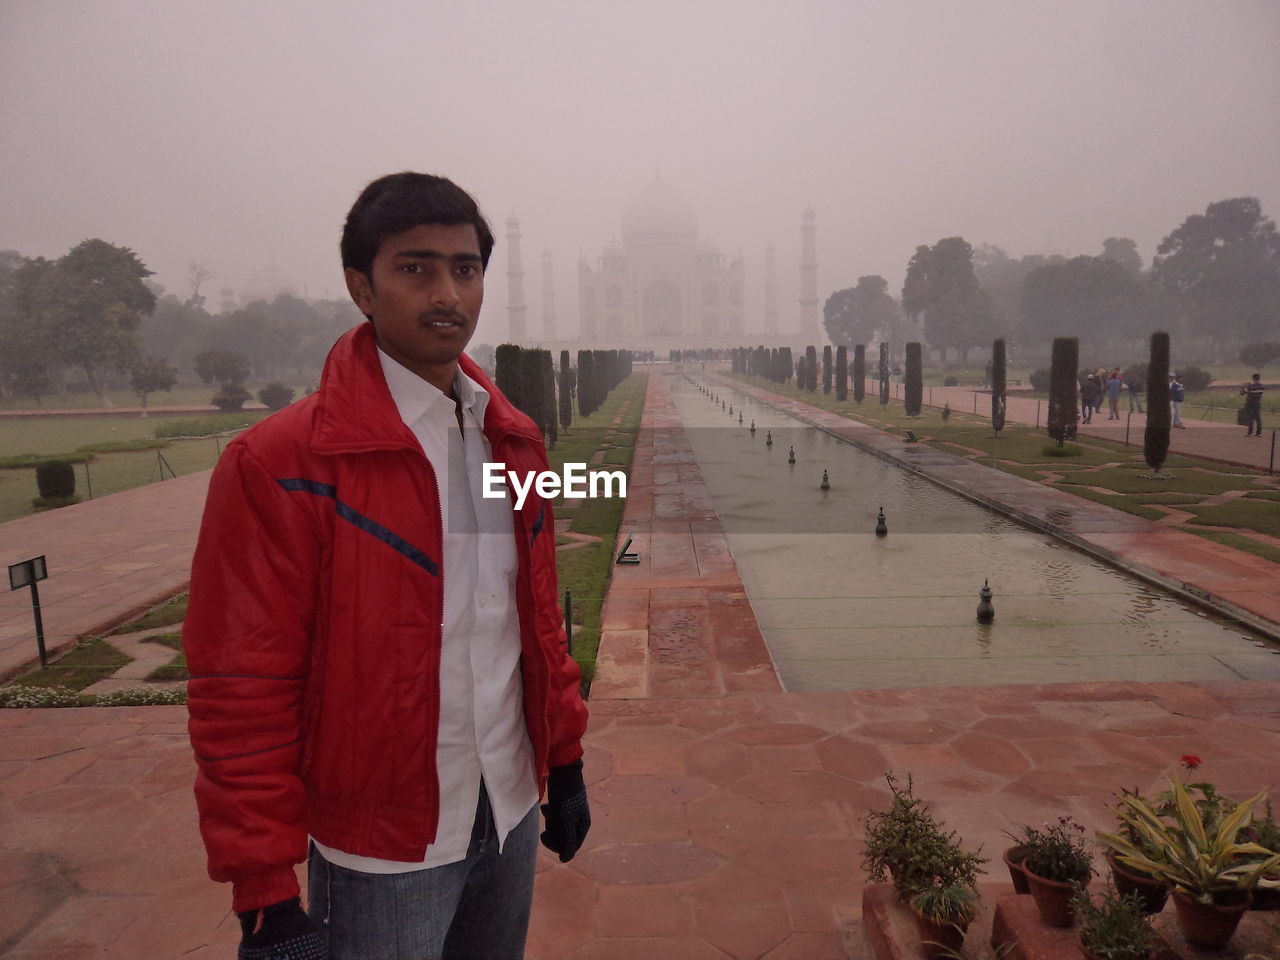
x: 482, y: 728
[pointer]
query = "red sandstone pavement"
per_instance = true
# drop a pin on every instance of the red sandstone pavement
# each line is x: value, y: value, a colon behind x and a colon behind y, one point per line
x: 727, y: 812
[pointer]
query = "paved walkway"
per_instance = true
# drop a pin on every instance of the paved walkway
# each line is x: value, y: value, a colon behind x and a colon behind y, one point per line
x: 107, y: 559
x: 727, y: 818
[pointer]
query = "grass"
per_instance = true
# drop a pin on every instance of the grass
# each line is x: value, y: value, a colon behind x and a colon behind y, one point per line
x: 1131, y: 480
x: 1259, y: 516
x: 585, y: 571
x: 85, y: 664
x: 1238, y: 542
x: 167, y: 614
x: 175, y: 669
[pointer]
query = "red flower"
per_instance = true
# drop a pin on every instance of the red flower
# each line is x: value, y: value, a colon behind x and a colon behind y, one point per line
x: 1190, y: 761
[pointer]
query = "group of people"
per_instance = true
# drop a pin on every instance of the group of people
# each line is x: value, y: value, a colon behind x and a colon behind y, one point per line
x: 1112, y: 386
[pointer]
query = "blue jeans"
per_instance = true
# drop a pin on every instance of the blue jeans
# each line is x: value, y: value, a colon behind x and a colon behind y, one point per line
x: 477, y: 907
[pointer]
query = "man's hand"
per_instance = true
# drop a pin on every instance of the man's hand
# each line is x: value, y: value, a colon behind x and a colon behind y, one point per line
x: 567, y: 815
x: 282, y: 931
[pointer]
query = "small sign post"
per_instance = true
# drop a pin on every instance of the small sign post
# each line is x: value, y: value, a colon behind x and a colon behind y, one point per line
x: 27, y: 574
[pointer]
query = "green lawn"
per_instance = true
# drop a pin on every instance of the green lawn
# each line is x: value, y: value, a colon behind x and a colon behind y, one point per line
x: 585, y: 571
x: 89, y: 662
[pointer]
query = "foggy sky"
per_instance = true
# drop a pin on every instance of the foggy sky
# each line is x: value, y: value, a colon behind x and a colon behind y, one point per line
x: 238, y: 133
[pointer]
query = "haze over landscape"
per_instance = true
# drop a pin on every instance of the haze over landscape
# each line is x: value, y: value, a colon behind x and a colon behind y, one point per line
x: 237, y: 134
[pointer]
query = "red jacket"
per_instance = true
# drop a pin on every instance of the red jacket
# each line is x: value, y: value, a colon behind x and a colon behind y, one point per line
x: 313, y: 631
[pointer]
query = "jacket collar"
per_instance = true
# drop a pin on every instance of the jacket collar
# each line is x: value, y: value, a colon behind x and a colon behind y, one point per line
x: 357, y: 414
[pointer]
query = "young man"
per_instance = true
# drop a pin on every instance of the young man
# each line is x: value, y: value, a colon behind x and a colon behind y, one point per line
x: 1252, y: 393
x: 378, y: 666
x: 1177, y: 393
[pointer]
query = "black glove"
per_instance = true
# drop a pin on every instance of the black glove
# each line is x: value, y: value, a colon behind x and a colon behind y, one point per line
x: 566, y: 812
x: 286, y: 933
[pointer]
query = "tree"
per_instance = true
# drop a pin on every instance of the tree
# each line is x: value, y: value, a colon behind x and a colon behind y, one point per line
x: 884, y: 374
x: 223, y: 366
x: 28, y: 358
x: 1001, y: 278
x: 150, y: 374
x: 275, y: 396
x: 859, y: 372
x: 1062, y: 389
x: 1226, y: 265
x: 941, y: 290
x: 842, y: 373
x: 197, y: 274
x: 1097, y: 300
x: 826, y: 368
x: 998, y: 385
x: 1123, y: 251
x: 913, y: 395
x: 811, y: 368
x: 94, y: 298
x: 566, y: 391
x: 1260, y: 354
x: 861, y: 313
x: 1155, y: 440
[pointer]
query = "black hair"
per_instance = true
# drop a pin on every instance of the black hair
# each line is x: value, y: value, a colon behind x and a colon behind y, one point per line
x: 401, y: 201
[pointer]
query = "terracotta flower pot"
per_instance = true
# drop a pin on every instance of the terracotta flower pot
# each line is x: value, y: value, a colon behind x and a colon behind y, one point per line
x: 1013, y: 858
x: 1152, y: 892
x: 1208, y: 925
x: 1053, y: 900
x: 939, y: 940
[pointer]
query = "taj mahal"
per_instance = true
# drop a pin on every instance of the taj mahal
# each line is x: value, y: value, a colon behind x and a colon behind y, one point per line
x: 658, y: 285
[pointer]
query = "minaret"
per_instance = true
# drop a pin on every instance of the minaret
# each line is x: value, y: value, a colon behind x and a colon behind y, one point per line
x: 515, y: 283
x: 808, y: 275
x: 770, y: 291
x: 548, y: 298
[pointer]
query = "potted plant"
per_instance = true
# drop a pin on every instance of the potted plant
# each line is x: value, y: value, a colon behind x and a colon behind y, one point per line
x: 943, y: 914
x: 931, y: 873
x: 1211, y: 867
x: 1056, y: 863
x: 1113, y: 926
x: 1151, y: 890
x: 1265, y: 833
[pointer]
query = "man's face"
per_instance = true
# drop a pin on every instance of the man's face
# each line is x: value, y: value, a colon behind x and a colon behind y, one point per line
x: 424, y: 294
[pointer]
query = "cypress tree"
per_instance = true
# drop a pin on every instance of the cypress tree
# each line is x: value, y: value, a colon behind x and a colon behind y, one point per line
x: 1062, y: 389
x: 913, y: 395
x: 566, y: 391
x: 506, y: 372
x: 1155, y: 442
x: 884, y: 374
x: 859, y: 372
x: 826, y: 369
x: 788, y: 367
x: 811, y: 368
x: 551, y: 430
x: 997, y: 385
x: 586, y: 382
x: 842, y: 373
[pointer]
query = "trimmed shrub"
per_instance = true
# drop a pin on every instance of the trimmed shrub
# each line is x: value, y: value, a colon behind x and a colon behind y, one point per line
x: 913, y: 397
x: 1066, y: 450
x: 56, y: 480
x: 1195, y: 379
x: 950, y: 380
x: 230, y: 397
x: 826, y: 369
x: 811, y: 368
x: 842, y: 373
x: 1155, y: 440
x: 275, y: 396
x: 1062, y: 389
x: 1039, y: 379
x: 859, y: 372
x: 884, y: 374
x: 998, y: 384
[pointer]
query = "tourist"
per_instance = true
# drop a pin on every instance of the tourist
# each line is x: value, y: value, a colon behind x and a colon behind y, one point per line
x: 1101, y: 374
x: 1090, y: 391
x: 1134, y: 383
x: 349, y: 703
x: 1114, y: 386
x: 1252, y: 393
x: 1177, y: 393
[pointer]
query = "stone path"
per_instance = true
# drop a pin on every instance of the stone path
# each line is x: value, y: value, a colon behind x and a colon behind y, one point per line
x: 727, y: 823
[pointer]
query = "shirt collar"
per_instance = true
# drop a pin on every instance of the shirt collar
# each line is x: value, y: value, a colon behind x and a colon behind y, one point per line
x: 414, y: 396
